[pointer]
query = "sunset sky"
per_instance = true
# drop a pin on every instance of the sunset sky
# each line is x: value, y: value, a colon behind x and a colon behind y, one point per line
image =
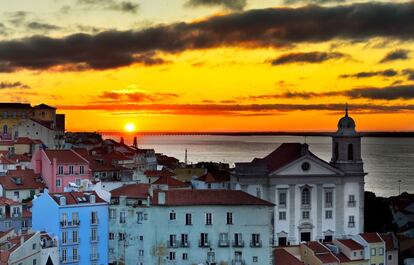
x: 211, y: 65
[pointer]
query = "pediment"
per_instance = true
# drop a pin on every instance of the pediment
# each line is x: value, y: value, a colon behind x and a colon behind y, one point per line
x: 307, y: 165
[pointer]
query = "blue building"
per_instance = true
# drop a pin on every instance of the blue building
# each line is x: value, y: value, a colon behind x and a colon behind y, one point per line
x: 79, y: 220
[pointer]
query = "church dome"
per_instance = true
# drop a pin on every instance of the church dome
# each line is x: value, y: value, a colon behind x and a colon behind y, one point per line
x: 346, y: 125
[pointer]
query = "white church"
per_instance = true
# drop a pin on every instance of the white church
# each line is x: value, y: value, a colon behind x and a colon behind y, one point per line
x: 315, y: 199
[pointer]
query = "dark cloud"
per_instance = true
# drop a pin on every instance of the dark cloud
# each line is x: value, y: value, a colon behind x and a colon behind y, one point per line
x: 306, y: 57
x: 123, y: 6
x: 271, y: 27
x: 135, y: 96
x: 385, y: 73
x: 317, y: 2
x: 149, y: 59
x: 409, y: 73
x: 396, y: 55
x: 4, y: 85
x: 228, y: 4
x: 17, y: 18
x: 42, y: 26
x: 405, y: 92
x: 236, y: 109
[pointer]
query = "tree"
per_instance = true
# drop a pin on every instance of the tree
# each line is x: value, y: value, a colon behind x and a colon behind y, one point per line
x: 135, y: 142
x: 378, y: 216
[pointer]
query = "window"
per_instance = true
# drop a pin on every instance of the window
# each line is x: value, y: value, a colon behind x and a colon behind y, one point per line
x: 381, y: 251
x: 34, y: 262
x: 16, y: 211
x: 75, y: 236
x: 373, y: 251
x: 351, y: 201
x: 282, y: 199
x: 7, y: 224
x: 64, y: 237
x: 238, y: 239
x: 306, y: 197
x: 141, y: 253
x: 305, y: 215
x: 140, y: 217
x: 60, y: 170
x: 282, y: 215
x: 111, y: 236
x: 81, y: 170
x: 34, y: 246
x: 258, y: 192
x: 94, y: 218
x: 256, y: 240
x: 94, y: 234
x: 328, y: 214
x: 209, y: 219
x: 229, y: 218
x: 389, y: 257
x: 112, y: 213
x: 78, y: 182
x: 173, y: 241
x: 75, y: 253
x: 141, y: 238
x: 64, y: 254
x: 121, y: 236
x: 328, y: 199
x: 351, y: 221
x: 172, y: 255
x: 173, y: 216
x: 16, y: 194
x: 188, y: 219
x: 185, y: 256
x: 204, y: 240
x: 58, y: 183
x: 350, y: 152
x: 255, y: 259
x: 184, y: 240
x: 71, y: 170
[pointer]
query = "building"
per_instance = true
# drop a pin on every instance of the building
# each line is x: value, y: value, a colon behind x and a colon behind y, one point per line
x: 14, y: 215
x: 315, y: 200
x: 61, y: 169
x: 188, y: 227
x: 21, y: 184
x: 49, y: 253
x: 80, y: 222
x: 374, y: 247
x: 38, y: 122
x: 212, y: 180
x: 21, y: 250
x: 391, y: 248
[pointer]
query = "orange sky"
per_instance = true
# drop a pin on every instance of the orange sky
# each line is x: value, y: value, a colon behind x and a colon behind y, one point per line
x: 261, y: 81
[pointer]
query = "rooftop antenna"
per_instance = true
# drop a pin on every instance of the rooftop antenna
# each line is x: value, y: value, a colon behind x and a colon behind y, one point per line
x: 346, y: 109
x: 305, y: 138
x: 185, y: 157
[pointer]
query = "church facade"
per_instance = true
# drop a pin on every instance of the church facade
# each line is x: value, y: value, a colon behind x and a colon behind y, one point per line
x: 314, y: 199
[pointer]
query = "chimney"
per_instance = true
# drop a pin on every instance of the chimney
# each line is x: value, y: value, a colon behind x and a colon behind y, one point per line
x: 21, y: 240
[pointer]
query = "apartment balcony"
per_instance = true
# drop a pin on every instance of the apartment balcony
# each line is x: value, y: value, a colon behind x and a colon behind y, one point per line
x: 351, y: 224
x: 69, y: 224
x: 238, y: 243
x: 204, y: 243
x: 69, y: 259
x: 238, y: 262
x: 173, y: 244
x: 185, y: 244
x: 351, y: 203
x: 256, y: 244
x: 94, y: 239
x: 94, y: 256
x: 94, y: 222
x: 16, y: 215
x: 71, y: 241
x: 224, y: 243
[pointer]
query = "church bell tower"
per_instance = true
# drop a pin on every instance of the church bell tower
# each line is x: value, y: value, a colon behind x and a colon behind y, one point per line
x: 346, y: 146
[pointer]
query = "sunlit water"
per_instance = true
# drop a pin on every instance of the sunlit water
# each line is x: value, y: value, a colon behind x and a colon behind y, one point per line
x: 386, y: 160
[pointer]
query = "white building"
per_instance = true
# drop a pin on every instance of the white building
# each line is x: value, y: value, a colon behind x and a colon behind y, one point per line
x: 187, y: 227
x: 315, y: 200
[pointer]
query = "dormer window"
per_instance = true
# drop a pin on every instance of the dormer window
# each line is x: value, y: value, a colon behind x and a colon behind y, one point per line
x: 62, y: 200
x: 92, y: 198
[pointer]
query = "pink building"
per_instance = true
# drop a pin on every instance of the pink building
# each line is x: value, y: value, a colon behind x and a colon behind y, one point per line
x: 58, y: 168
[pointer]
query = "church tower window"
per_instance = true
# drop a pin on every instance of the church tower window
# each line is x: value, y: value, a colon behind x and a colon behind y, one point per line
x: 350, y: 152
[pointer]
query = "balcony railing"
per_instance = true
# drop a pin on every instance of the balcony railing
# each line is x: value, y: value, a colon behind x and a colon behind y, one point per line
x: 95, y: 221
x: 94, y: 239
x: 185, y: 244
x: 351, y: 224
x: 69, y: 259
x: 238, y: 262
x: 173, y: 244
x: 70, y: 242
x: 67, y: 224
x: 16, y: 215
x: 351, y: 203
x: 204, y: 243
x: 256, y: 244
x: 223, y: 243
x: 238, y: 243
x: 94, y: 256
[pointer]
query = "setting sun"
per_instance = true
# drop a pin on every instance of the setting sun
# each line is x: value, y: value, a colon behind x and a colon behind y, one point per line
x: 130, y: 127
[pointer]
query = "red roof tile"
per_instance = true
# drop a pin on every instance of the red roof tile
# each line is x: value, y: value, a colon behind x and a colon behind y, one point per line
x: 317, y: 247
x: 75, y: 197
x: 371, y: 237
x: 209, y: 197
x: 170, y: 181
x: 139, y: 191
x: 5, y: 201
x: 65, y: 156
x: 327, y: 258
x: 27, y: 140
x: 284, y: 257
x: 351, y: 244
x: 214, y: 177
x: 21, y: 180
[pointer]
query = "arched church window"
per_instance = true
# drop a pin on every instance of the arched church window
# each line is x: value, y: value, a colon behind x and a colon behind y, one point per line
x: 350, y: 152
x: 336, y: 151
x: 305, y: 196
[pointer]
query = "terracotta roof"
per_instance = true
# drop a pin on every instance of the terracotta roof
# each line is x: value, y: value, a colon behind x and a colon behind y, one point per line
x: 20, y: 179
x: 170, y: 181
x: 214, y: 177
x: 5, y: 201
x: 317, y: 247
x: 139, y: 191
x: 159, y: 173
x: 27, y: 140
x: 327, y: 258
x: 371, y: 237
x: 284, y: 257
x: 5, y: 160
x: 75, y: 197
x: 65, y: 156
x: 351, y: 244
x: 209, y: 197
x: 389, y: 242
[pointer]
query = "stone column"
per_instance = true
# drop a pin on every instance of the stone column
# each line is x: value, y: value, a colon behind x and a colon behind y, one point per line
x: 361, y: 205
x: 292, y: 219
x: 339, y: 210
x: 319, y: 214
